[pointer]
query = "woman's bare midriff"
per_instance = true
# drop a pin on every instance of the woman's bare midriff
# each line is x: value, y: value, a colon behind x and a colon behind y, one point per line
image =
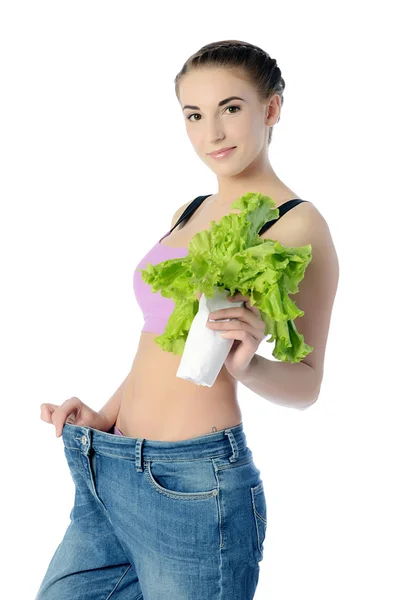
x: 158, y: 405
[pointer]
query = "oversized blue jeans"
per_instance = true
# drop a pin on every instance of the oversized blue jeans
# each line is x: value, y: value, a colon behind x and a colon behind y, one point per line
x: 159, y: 520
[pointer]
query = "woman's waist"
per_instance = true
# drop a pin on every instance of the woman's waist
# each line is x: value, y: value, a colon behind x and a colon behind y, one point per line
x: 162, y: 391
x: 175, y: 422
x: 161, y: 408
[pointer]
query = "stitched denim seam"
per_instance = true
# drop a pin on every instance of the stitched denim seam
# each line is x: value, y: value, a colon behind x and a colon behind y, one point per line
x: 181, y: 460
x: 89, y: 468
x: 117, y: 584
x: 260, y: 517
x: 220, y: 520
x: 178, y: 495
x: 258, y: 537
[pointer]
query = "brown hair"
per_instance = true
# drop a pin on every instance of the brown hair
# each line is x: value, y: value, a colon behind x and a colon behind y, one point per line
x: 260, y: 69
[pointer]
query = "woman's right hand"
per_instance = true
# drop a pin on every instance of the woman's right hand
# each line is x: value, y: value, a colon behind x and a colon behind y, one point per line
x: 72, y: 411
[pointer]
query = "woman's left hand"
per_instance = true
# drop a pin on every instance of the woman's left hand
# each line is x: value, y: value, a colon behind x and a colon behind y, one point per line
x: 246, y: 327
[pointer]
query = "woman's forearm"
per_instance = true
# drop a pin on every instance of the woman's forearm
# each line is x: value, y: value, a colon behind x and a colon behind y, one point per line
x: 294, y: 385
x: 110, y: 410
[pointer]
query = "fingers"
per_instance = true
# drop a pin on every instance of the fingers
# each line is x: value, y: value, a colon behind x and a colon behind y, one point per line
x: 235, y: 325
x: 58, y: 415
x: 46, y: 411
x: 241, y: 313
x: 243, y: 336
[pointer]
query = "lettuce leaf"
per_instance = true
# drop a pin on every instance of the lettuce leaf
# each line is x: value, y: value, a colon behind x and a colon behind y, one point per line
x: 231, y: 256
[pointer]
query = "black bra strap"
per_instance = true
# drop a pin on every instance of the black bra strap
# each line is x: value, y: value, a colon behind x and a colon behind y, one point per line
x: 283, y: 208
x: 189, y: 210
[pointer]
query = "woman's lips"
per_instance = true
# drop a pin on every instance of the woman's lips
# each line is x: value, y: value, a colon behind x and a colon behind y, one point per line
x: 223, y: 153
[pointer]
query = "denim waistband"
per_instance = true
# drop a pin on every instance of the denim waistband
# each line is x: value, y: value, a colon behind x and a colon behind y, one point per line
x: 226, y: 442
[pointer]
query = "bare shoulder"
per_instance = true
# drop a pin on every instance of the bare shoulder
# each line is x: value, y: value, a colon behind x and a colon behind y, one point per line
x: 302, y: 225
x: 302, y: 222
x: 179, y: 212
x: 299, y: 217
x: 309, y: 226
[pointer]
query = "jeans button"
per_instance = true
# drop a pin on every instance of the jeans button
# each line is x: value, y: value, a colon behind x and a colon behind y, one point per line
x: 84, y: 440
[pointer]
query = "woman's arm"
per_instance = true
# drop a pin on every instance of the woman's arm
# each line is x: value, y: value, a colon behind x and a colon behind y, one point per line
x: 297, y: 385
x: 294, y: 385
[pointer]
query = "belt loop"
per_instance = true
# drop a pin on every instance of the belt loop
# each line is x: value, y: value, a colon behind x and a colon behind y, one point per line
x: 138, y: 454
x: 233, y: 444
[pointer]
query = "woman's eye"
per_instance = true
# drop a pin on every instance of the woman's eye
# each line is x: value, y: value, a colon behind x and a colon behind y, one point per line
x: 194, y: 114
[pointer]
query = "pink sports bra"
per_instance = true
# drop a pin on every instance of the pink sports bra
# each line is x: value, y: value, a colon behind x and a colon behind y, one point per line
x: 155, y: 308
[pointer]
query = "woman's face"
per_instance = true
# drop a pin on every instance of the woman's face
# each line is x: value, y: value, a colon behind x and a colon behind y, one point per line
x: 240, y: 123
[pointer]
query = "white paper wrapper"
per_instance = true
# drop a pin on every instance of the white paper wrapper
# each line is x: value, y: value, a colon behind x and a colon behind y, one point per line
x: 205, y: 350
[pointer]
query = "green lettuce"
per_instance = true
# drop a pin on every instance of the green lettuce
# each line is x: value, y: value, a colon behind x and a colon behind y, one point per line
x: 232, y: 257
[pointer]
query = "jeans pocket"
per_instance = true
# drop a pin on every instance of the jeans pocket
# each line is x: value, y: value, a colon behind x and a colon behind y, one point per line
x: 260, y: 515
x: 183, y: 480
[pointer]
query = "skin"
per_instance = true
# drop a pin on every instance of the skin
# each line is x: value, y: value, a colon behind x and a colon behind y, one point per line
x: 247, y: 127
x: 247, y: 169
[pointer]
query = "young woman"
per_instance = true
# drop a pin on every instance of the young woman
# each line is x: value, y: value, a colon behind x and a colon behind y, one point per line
x: 169, y: 502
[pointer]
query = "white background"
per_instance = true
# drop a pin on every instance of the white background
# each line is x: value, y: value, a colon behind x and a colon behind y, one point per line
x: 95, y: 160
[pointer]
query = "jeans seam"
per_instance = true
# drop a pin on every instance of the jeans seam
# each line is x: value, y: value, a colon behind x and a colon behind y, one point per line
x: 183, y: 496
x: 117, y: 584
x: 90, y: 473
x: 260, y: 517
x: 165, y: 459
x: 219, y: 509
